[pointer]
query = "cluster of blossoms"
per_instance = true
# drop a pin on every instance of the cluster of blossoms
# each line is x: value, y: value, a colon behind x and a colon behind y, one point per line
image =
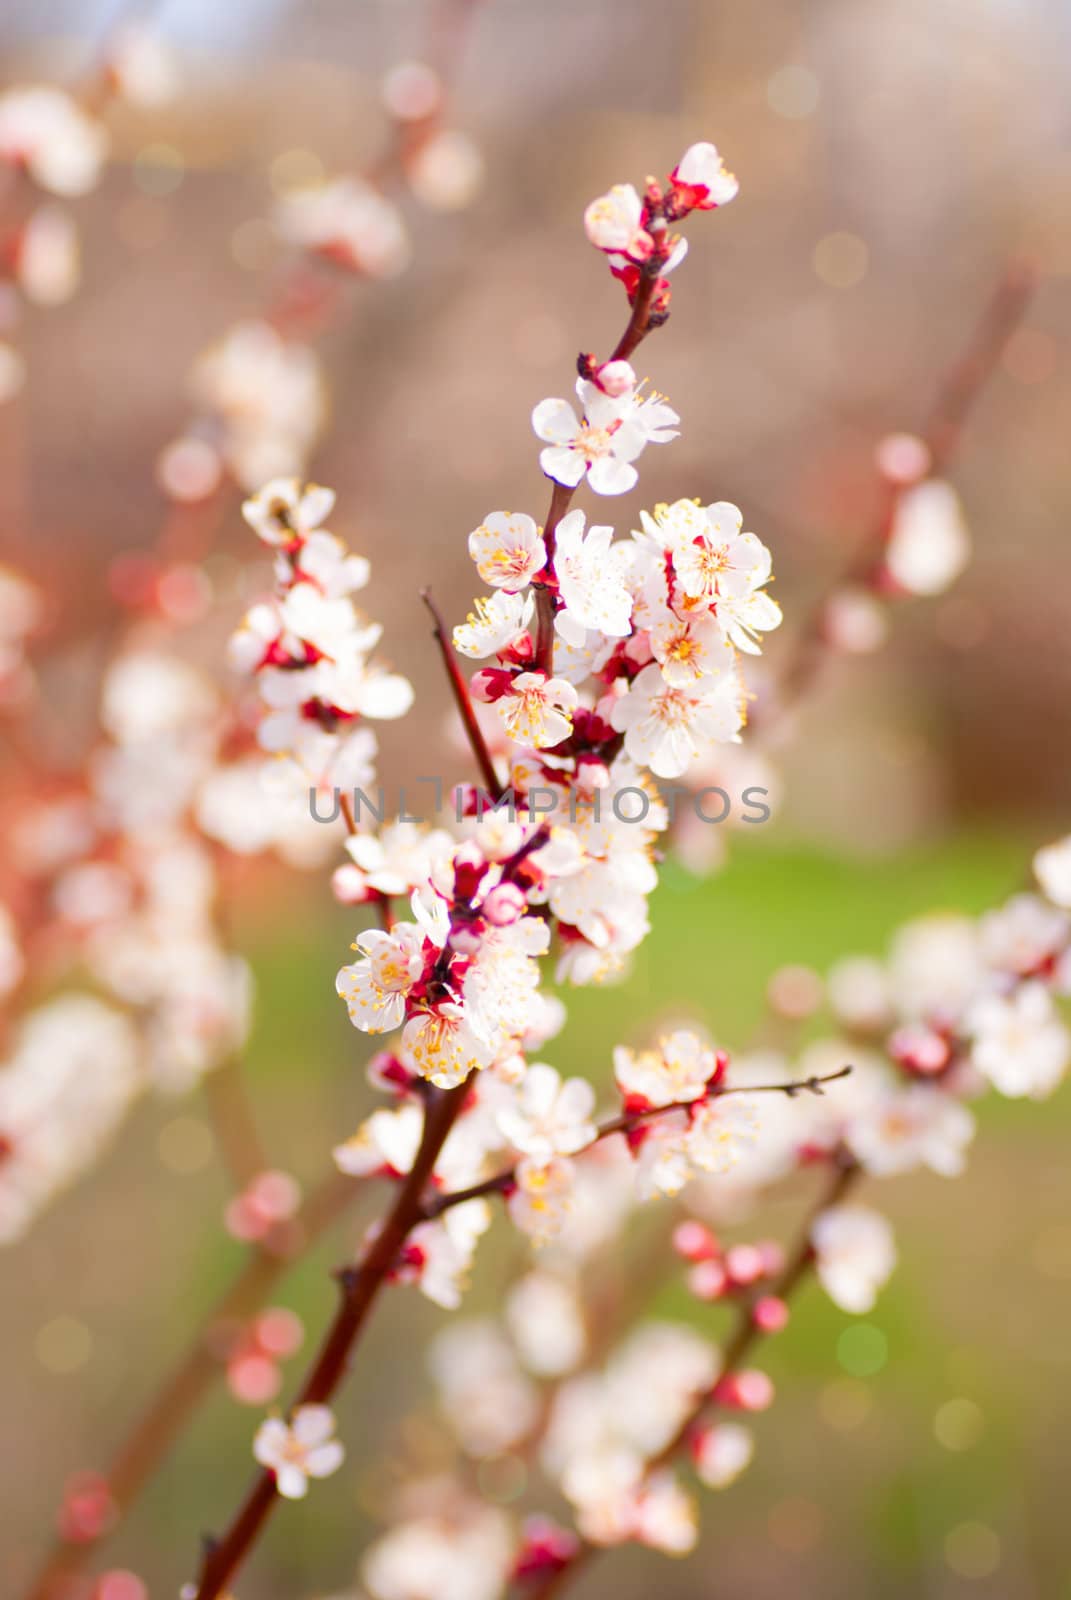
x: 959, y: 1004
x: 616, y: 661
x: 259, y: 391
x: 350, y: 221
x: 58, y: 142
x: 924, y: 547
x: 68, y: 1079
x: 311, y: 650
x: 115, y: 879
x: 116, y: 869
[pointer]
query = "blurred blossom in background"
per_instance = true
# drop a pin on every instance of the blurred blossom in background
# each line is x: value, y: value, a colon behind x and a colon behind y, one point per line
x: 159, y: 357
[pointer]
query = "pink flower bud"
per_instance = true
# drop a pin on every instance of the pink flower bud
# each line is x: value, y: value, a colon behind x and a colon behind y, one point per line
x: 745, y: 1391
x: 744, y: 1263
x: 920, y: 1050
x: 773, y: 1257
x: 490, y: 684
x: 120, y: 1584
x: 694, y: 1241
x: 253, y: 1380
x: 708, y: 1280
x: 614, y: 378
x: 770, y: 1314
x: 902, y: 458
x: 88, y: 1509
x: 504, y: 905
x: 279, y: 1332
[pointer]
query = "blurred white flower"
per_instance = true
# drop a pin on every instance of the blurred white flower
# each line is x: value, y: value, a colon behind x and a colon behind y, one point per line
x: 855, y: 1255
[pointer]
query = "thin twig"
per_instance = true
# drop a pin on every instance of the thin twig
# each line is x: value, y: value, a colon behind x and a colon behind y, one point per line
x: 561, y: 497
x: 626, y: 1122
x: 360, y: 1289
x: 746, y: 1334
x: 463, y: 700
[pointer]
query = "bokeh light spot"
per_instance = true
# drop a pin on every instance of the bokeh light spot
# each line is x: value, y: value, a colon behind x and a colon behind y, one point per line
x: 972, y: 1550
x: 295, y: 169
x: 793, y: 92
x: 159, y: 169
x: 120, y: 1585
x: 1052, y: 1251
x: 185, y: 1145
x: 841, y: 260
x: 64, y: 1345
x: 503, y: 1480
x: 862, y: 1349
x: 796, y: 1524
x: 845, y: 1404
x: 958, y: 1424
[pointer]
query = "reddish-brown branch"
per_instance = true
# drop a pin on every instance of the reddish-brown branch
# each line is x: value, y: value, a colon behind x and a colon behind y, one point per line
x: 463, y: 700
x: 561, y: 498
x: 745, y: 1335
x: 168, y: 1412
x: 360, y: 1289
x: 233, y: 1123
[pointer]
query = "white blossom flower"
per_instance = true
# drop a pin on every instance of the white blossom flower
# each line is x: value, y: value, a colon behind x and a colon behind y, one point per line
x: 935, y: 966
x: 542, y: 1199
x: 266, y: 393
x: 549, y: 1117
x: 438, y: 1255
x: 1024, y: 936
x: 702, y: 175
x: 351, y: 223
x: 537, y: 710
x: 722, y: 1453
x: 491, y: 1403
x: 929, y: 545
x: 459, y: 1551
x: 614, y: 222
x: 611, y: 434
x: 666, y: 727
x: 286, y: 510
x: 443, y: 1047
x: 718, y: 565
x: 911, y: 1127
x: 325, y: 562
x: 141, y: 66
x: 303, y: 1449
x: 375, y: 988
x: 677, y: 1070
x: 691, y: 648
x: 397, y: 860
x: 71, y: 1077
x: 665, y: 1515
x: 1052, y: 868
x: 855, y: 1255
x: 46, y: 130
x: 47, y: 264
x: 590, y: 570
x: 1019, y: 1042
x: 508, y: 550
x: 447, y: 170
x: 387, y: 1141
x: 719, y: 1130
x: 546, y: 1320
x: 495, y: 624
